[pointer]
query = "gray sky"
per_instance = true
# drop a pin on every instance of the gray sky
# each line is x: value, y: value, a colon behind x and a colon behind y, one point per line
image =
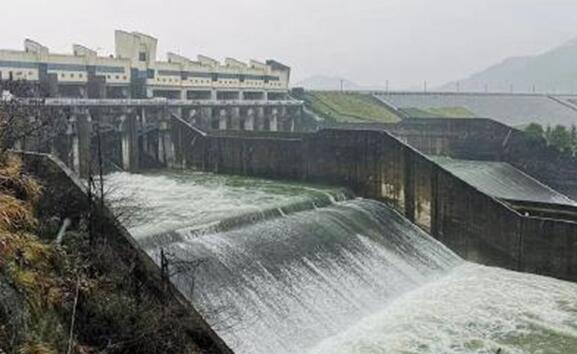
x: 367, y: 41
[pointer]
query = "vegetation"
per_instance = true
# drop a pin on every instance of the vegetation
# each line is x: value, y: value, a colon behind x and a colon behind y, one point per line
x: 349, y: 107
x: 535, y: 130
x: 438, y: 112
x: 69, y: 294
x: 559, y: 136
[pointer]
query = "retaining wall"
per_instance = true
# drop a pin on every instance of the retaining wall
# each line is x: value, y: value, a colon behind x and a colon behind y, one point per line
x: 66, y: 196
x: 485, y: 139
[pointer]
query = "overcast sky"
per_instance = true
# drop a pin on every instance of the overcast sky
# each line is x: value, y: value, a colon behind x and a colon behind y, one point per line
x: 367, y: 41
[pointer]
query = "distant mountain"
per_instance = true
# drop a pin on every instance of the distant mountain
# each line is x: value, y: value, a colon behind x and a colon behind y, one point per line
x: 320, y: 82
x: 552, y: 71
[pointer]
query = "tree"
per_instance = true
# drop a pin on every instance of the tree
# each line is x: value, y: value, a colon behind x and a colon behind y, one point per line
x: 561, y: 138
x: 573, y: 137
x: 535, y: 130
x: 547, y: 133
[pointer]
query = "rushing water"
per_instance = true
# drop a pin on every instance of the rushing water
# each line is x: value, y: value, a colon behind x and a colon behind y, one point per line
x: 166, y: 205
x: 351, y: 277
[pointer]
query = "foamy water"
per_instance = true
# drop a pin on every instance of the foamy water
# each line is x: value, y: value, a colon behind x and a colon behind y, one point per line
x: 351, y: 277
x: 154, y: 203
x: 473, y: 309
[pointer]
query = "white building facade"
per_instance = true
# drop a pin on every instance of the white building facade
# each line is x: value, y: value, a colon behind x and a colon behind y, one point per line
x: 135, y: 72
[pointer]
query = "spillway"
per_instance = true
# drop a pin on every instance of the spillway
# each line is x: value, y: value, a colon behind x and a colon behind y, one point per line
x: 335, y: 274
x: 164, y: 207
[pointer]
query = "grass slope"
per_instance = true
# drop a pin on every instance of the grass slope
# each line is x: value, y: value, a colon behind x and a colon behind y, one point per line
x: 349, y: 107
x: 438, y: 112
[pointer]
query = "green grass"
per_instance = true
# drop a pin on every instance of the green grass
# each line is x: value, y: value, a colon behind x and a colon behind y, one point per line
x: 438, y: 112
x: 349, y: 107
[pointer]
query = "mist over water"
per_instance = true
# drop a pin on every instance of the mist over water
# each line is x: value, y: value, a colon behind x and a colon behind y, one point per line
x: 336, y: 275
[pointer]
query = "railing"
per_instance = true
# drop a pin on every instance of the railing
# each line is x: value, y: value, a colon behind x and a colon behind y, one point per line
x: 153, y: 102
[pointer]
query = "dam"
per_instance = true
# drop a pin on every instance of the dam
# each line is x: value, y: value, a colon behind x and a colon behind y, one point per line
x: 287, y: 267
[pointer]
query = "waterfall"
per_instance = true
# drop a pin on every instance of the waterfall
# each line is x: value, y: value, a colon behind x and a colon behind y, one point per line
x: 277, y: 267
x: 283, y: 285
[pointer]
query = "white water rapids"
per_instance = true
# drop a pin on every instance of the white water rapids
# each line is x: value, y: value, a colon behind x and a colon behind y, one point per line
x: 334, y: 275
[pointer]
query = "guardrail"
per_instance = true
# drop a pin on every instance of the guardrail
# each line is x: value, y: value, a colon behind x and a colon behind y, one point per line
x: 154, y: 102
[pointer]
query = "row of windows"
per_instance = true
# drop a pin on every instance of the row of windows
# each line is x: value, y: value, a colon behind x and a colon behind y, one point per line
x: 125, y: 77
x: 18, y: 74
x: 18, y: 64
x: 62, y: 67
x: 70, y: 76
x: 82, y: 76
x: 117, y: 77
x: 150, y: 73
x: 184, y: 75
x: 226, y: 82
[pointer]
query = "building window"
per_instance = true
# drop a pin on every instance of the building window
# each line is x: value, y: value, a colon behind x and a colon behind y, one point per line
x: 142, y: 56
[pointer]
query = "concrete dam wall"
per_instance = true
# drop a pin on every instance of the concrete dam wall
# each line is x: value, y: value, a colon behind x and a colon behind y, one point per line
x: 376, y: 165
x: 483, y: 139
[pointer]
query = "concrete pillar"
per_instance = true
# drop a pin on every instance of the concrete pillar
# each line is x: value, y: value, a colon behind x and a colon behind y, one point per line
x: 166, y: 150
x: 205, y: 117
x: 235, y: 118
x: 286, y: 126
x: 142, y: 118
x: 129, y: 141
x: 73, y: 156
x: 249, y: 119
x: 125, y: 143
x: 213, y: 95
x: 260, y: 118
x: 193, y: 115
x: 274, y: 120
x: 79, y: 132
x: 84, y: 126
x: 222, y: 119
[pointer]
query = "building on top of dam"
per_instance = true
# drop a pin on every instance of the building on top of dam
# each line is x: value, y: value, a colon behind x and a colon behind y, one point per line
x: 135, y: 72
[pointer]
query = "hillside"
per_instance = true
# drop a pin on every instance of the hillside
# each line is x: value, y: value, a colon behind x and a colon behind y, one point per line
x: 63, y: 288
x: 552, y: 71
